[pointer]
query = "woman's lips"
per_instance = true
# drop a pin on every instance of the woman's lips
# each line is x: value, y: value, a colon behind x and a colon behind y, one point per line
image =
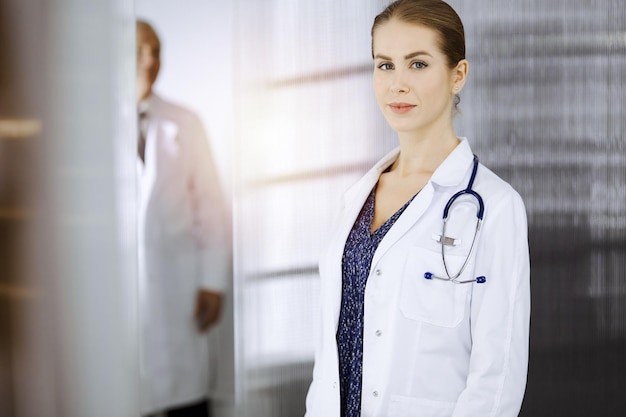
x: 401, y: 108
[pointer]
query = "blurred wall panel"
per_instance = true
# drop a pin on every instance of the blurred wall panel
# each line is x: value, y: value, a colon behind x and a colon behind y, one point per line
x: 21, y: 112
x: 67, y: 287
x: 89, y: 153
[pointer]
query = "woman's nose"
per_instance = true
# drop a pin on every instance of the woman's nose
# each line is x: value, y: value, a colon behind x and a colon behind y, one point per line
x: 400, y: 89
x: 398, y: 84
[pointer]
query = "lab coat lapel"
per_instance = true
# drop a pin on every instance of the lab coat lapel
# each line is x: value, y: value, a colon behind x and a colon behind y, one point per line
x: 160, y: 135
x: 354, y: 199
x: 147, y: 170
x: 411, y: 215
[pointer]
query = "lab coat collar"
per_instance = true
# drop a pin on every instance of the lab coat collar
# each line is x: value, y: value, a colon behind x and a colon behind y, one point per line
x: 369, y: 179
x: 454, y: 168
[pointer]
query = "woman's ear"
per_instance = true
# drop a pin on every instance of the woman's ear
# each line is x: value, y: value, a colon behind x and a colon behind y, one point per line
x: 459, y: 75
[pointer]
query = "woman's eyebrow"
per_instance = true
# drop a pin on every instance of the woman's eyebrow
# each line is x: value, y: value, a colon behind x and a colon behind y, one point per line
x: 408, y: 56
x: 418, y: 53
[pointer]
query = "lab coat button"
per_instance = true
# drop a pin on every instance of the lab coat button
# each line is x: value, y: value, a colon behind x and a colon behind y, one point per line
x: 375, y: 393
x: 378, y: 332
x: 378, y: 272
x: 334, y: 385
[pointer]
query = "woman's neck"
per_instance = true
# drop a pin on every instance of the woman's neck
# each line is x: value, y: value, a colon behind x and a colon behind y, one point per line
x: 420, y: 153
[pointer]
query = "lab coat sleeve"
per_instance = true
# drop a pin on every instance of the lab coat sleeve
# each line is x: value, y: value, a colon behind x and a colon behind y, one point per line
x: 500, y: 315
x: 210, y: 218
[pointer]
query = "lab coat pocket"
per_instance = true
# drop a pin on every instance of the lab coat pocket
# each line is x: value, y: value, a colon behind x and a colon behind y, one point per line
x: 401, y: 406
x: 433, y: 301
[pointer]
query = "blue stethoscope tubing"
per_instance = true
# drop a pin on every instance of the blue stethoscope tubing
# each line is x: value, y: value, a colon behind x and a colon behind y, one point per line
x: 479, y: 214
x: 468, y: 190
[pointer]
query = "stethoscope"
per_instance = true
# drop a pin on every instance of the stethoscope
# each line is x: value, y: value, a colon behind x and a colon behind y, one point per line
x: 445, y: 240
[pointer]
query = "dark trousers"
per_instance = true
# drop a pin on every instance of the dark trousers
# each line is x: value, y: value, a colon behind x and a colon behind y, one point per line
x: 200, y: 409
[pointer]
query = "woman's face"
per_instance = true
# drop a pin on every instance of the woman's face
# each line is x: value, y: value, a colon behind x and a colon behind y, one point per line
x: 413, y: 84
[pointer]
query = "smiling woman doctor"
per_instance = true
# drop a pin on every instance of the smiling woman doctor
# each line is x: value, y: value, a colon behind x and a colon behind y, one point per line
x: 425, y: 286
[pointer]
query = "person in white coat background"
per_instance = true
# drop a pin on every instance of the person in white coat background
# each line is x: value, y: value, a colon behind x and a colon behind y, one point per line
x: 184, y: 247
x: 415, y: 321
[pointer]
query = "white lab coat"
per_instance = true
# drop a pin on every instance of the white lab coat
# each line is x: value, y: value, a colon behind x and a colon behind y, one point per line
x: 434, y: 348
x: 183, y: 245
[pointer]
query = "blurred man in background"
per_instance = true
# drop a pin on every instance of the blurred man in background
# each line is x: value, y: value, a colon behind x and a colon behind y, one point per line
x: 184, y: 246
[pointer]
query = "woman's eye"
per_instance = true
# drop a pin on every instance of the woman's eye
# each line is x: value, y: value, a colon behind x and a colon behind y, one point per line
x: 385, y: 66
x: 418, y: 65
